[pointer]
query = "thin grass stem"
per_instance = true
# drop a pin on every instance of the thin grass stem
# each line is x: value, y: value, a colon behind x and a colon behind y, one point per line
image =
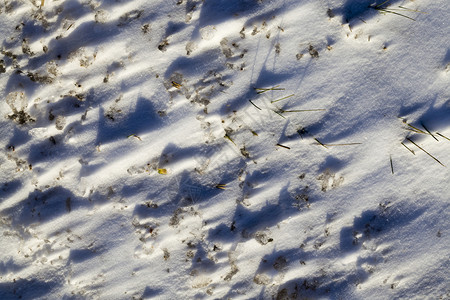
x: 347, y: 144
x: 426, y: 152
x: 408, y: 148
x: 412, y: 10
x: 381, y: 4
x: 273, y: 101
x: 279, y: 113
x: 283, y: 146
x: 303, y: 110
x: 416, y: 129
x: 221, y: 186
x: 320, y: 143
x: 263, y: 90
x: 442, y: 136
x: 134, y: 135
x: 229, y: 138
x: 254, y: 104
x: 429, y: 132
x: 393, y: 12
x: 392, y: 165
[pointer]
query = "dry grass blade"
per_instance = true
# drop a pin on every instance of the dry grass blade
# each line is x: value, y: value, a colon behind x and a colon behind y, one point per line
x: 229, y: 138
x: 410, y: 10
x: 392, y: 165
x: 442, y: 136
x: 429, y: 132
x: 273, y: 101
x: 387, y: 10
x: 415, y: 129
x: 221, y: 186
x: 408, y: 148
x: 426, y: 152
x: 302, y: 110
x: 347, y: 144
x: 263, y: 90
x: 320, y: 143
x: 411, y: 127
x: 283, y: 146
x: 135, y: 136
x: 254, y: 104
x: 395, y: 13
x: 42, y: 2
x: 176, y: 85
x: 267, y: 89
x: 381, y: 4
x: 279, y: 112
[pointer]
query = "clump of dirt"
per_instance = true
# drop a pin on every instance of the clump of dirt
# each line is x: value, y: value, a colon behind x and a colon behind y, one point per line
x: 313, y: 52
x: 18, y: 103
x: 129, y: 17
x: 21, y: 117
x: 163, y: 45
x: 36, y: 77
x: 263, y: 238
x: 2, y: 66
x: 26, y: 48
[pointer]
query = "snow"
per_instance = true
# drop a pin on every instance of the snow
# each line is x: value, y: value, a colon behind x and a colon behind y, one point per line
x: 224, y: 149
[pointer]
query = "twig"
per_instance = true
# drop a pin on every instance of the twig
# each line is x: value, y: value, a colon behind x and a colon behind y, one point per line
x: 283, y: 146
x: 425, y: 152
x: 70, y: 26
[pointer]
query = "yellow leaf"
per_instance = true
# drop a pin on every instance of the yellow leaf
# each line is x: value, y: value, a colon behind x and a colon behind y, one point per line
x: 162, y: 171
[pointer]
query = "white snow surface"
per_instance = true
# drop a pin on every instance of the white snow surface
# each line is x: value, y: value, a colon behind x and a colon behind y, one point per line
x: 224, y: 149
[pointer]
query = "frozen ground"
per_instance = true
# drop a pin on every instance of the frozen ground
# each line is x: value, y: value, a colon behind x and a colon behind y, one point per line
x: 224, y: 149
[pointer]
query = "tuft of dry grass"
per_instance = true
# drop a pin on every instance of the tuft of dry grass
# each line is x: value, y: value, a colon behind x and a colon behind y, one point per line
x: 385, y: 9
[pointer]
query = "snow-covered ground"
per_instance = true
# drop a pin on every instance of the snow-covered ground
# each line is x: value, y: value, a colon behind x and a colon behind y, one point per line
x: 224, y: 149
